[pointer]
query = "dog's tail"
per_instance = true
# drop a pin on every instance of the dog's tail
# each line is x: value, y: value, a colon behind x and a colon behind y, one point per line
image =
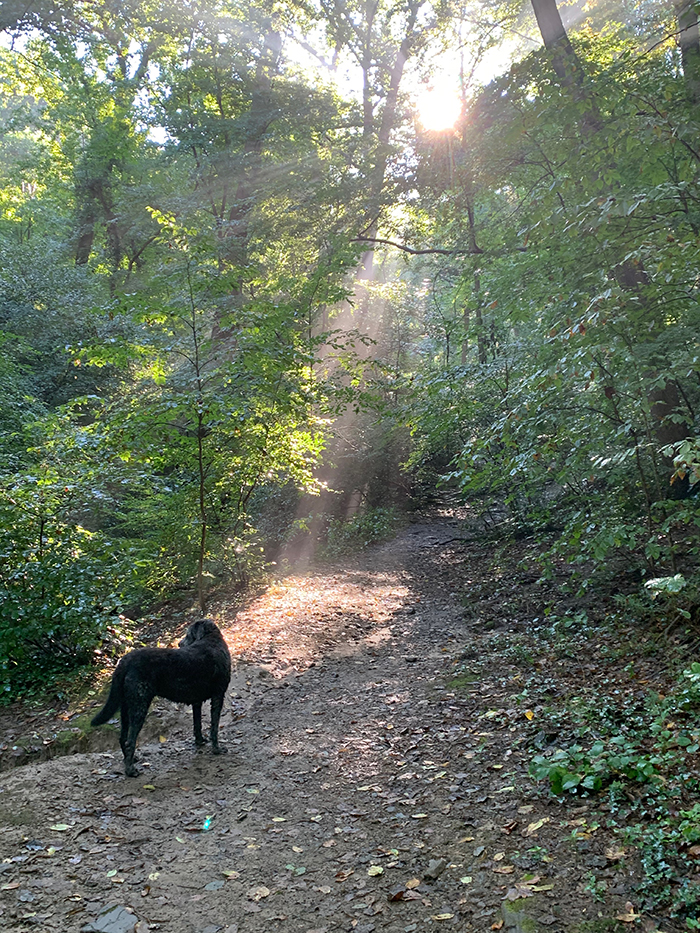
x: 114, y: 700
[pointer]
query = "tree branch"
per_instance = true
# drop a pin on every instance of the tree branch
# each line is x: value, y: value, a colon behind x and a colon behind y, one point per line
x: 419, y: 252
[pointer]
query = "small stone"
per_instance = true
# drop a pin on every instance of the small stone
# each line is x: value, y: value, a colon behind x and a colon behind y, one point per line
x: 435, y: 869
x: 114, y: 920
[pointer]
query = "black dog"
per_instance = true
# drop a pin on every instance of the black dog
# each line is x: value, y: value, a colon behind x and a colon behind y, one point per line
x: 199, y: 670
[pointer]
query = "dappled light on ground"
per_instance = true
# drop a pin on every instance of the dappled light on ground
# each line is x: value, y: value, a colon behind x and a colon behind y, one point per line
x: 301, y: 618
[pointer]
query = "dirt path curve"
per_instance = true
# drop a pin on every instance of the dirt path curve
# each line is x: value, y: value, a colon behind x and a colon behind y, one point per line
x: 367, y: 787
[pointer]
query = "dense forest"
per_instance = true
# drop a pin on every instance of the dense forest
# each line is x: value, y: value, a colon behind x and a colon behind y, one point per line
x: 254, y: 299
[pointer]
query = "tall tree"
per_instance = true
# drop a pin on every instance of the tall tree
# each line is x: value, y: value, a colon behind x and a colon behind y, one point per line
x: 380, y: 39
x: 689, y: 40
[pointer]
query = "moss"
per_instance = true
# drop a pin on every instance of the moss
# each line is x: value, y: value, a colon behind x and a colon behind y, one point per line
x: 462, y: 681
x: 516, y: 915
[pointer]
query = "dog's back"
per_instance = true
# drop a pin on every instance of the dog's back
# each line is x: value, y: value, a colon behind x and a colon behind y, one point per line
x: 199, y: 670
x: 196, y: 672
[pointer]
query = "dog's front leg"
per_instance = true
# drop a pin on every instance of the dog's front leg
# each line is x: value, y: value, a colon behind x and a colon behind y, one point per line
x: 216, y: 705
x: 197, y: 723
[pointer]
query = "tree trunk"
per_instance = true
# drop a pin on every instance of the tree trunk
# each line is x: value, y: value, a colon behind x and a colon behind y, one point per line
x: 689, y: 40
x: 565, y: 61
x: 388, y: 121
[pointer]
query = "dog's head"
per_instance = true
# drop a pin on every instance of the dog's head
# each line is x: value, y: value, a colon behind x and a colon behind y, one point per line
x: 202, y: 628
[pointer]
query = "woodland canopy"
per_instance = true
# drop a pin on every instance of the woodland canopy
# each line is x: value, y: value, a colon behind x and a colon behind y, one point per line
x: 253, y: 295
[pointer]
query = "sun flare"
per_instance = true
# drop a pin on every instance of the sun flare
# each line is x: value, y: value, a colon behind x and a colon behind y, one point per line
x: 438, y: 108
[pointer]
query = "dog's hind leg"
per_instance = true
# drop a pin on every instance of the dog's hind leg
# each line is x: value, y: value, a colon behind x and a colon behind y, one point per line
x: 136, y: 707
x: 129, y: 747
x: 216, y: 704
x: 197, y: 724
x: 123, y: 735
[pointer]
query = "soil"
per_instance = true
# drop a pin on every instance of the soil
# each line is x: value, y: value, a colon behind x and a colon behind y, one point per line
x: 376, y: 776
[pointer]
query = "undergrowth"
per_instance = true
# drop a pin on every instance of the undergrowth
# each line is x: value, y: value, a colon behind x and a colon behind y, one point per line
x: 343, y: 536
x: 609, y: 711
x: 632, y: 748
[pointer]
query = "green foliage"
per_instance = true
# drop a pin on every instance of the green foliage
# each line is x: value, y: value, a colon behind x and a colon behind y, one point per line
x: 577, y: 771
x: 579, y: 357
x: 371, y: 526
x: 181, y: 214
x: 61, y: 584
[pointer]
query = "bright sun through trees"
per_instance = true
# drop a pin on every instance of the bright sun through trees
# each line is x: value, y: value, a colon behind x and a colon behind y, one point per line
x: 439, y: 107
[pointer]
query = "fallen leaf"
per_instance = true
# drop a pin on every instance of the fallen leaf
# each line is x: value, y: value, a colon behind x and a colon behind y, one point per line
x: 499, y: 856
x: 278, y: 819
x: 528, y: 808
x: 10, y: 886
x: 257, y: 894
x: 504, y: 869
x: 497, y: 925
x: 297, y: 849
x: 518, y: 892
x: 344, y: 874
x: 529, y: 715
x: 161, y: 739
x: 443, y: 916
x: 630, y: 916
x: 413, y: 883
x: 60, y: 827
x: 614, y: 855
x: 538, y: 824
x: 467, y: 879
x: 149, y: 787
x: 374, y: 870
x: 419, y: 816
x: 231, y: 874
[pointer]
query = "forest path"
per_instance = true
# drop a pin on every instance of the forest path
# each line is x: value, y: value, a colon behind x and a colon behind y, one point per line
x: 375, y: 778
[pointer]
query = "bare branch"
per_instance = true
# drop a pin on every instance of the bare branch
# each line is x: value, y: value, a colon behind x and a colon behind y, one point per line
x: 419, y: 252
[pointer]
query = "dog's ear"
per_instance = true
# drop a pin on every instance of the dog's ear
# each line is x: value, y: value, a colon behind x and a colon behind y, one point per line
x: 192, y: 634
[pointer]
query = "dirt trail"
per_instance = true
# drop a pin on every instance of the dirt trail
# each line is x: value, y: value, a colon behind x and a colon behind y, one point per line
x: 368, y: 786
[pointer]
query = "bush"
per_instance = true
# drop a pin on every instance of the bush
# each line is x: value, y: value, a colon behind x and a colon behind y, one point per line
x: 365, y: 528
